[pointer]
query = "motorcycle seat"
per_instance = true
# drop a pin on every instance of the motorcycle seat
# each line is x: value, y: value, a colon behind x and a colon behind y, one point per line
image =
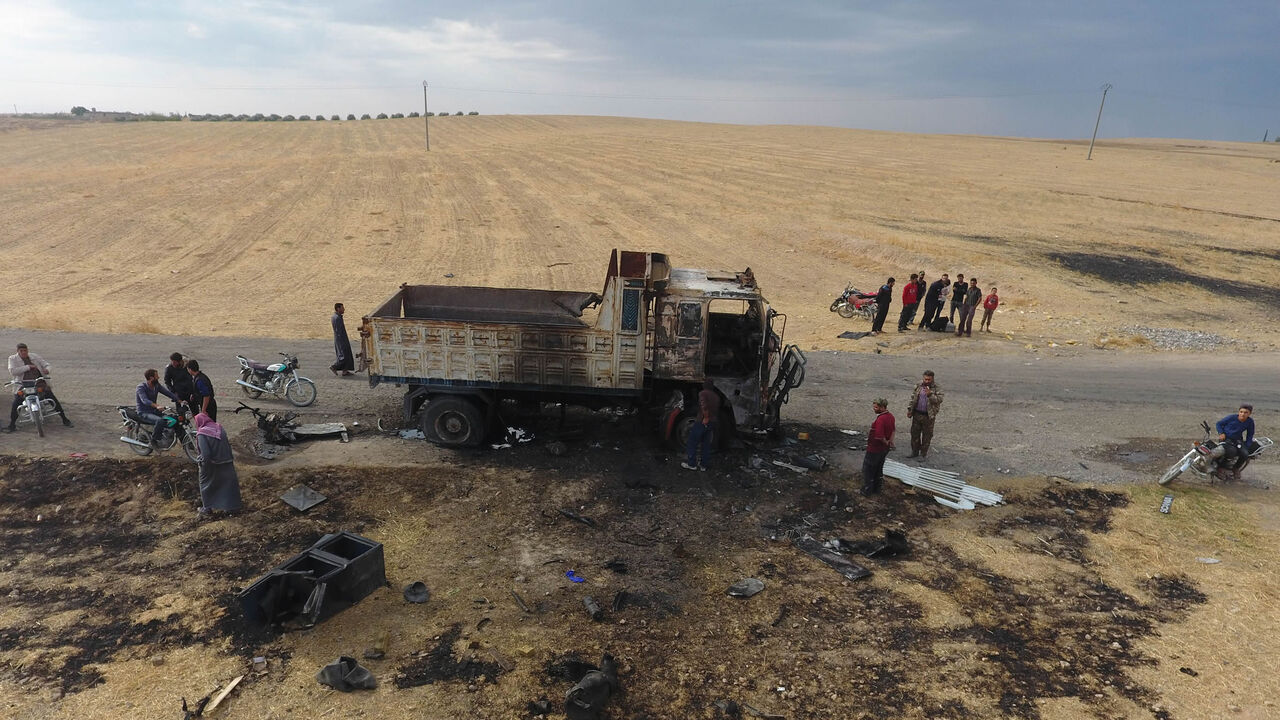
x: 132, y: 414
x: 257, y: 366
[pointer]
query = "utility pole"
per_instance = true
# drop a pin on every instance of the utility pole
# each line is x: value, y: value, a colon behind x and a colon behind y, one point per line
x: 1265, y: 133
x: 1105, y: 88
x: 426, y: 121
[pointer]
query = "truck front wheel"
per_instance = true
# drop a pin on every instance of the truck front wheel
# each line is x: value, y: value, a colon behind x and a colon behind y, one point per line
x: 453, y: 421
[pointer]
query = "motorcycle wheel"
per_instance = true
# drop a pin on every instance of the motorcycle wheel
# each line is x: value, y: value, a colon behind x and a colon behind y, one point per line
x: 37, y: 414
x: 1174, y: 470
x: 846, y: 310
x: 868, y: 311
x: 136, y: 432
x: 300, y: 392
x: 190, y: 447
x: 247, y: 376
x: 835, y: 304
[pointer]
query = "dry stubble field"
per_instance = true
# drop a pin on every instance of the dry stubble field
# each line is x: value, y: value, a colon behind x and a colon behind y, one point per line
x: 234, y: 221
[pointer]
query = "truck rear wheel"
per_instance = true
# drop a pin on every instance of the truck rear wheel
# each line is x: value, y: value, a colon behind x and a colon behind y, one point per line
x: 453, y: 421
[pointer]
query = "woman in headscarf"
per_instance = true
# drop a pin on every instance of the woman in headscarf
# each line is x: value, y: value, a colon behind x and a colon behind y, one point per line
x: 219, y: 486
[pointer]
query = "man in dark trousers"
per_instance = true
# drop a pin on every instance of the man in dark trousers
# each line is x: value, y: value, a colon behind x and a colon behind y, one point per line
x: 1235, y: 432
x: 178, y: 381
x: 30, y: 369
x: 933, y: 301
x: 879, y: 443
x: 202, y: 392
x: 703, y: 432
x: 883, y: 298
x: 972, y: 297
x: 922, y: 408
x: 958, y: 290
x: 341, y: 345
x: 910, y: 299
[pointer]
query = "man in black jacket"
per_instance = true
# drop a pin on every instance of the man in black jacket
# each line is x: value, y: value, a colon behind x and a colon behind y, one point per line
x: 883, y: 298
x: 958, y: 290
x: 933, y: 299
x: 178, y: 380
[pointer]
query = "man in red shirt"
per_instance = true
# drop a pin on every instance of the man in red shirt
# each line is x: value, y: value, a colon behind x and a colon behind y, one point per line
x: 879, y: 443
x: 910, y: 298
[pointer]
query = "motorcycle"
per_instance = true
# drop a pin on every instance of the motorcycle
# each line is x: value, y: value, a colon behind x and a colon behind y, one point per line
x: 175, y: 428
x: 35, y: 405
x: 280, y: 379
x: 1204, y: 457
x: 852, y: 302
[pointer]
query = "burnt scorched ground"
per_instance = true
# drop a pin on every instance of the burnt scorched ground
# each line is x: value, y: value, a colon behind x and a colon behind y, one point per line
x: 939, y: 633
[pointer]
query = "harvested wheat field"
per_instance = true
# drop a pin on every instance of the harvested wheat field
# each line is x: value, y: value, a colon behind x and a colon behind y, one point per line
x: 239, y: 220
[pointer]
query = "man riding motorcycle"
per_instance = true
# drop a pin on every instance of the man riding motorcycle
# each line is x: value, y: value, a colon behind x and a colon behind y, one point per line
x: 149, y: 390
x: 29, y: 367
x: 1235, y: 433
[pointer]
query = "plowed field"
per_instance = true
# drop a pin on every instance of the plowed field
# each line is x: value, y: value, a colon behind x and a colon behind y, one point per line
x: 257, y: 228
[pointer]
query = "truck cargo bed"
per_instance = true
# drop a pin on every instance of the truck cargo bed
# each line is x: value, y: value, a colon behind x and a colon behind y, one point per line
x: 487, y: 304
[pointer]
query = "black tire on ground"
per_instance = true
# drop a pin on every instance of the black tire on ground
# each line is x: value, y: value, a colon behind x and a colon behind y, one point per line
x: 453, y: 421
x: 38, y: 415
x: 846, y: 310
x: 142, y: 434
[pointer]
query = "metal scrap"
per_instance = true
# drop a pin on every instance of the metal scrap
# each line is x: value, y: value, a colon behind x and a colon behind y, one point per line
x: 946, y: 487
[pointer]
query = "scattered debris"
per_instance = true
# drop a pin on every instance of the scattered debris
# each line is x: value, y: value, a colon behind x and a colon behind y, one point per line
x: 851, y: 335
x: 746, y: 587
x: 417, y: 592
x: 79, y: 455
x: 411, y: 434
x: 578, y: 518
x: 783, y: 612
x: 302, y: 498
x: 222, y: 695
x: 842, y: 565
x: 520, y: 601
x: 514, y: 436
x: 439, y: 664
x: 380, y: 645
x: 339, y: 570
x: 345, y: 674
x: 1166, y: 504
x: 260, y: 664
x: 728, y: 707
x: 617, y: 565
x: 541, y: 706
x: 894, y: 544
x: 762, y: 714
x: 619, y: 600
x: 1208, y: 560
x: 188, y: 713
x: 1188, y: 671
x: 790, y: 467
x: 319, y: 430
x: 593, y: 608
x: 813, y: 461
x: 574, y: 576
x: 945, y: 486
x: 850, y: 432
x: 586, y: 700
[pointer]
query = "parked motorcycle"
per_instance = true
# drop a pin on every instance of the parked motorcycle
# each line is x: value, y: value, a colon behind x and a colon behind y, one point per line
x: 174, y: 429
x: 35, y: 406
x: 1204, y: 457
x: 280, y: 379
x: 852, y: 302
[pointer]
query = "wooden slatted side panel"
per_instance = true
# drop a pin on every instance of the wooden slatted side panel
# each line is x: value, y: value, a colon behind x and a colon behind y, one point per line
x: 529, y: 355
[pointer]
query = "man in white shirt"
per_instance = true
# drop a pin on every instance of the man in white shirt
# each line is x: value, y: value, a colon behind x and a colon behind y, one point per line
x: 28, y: 368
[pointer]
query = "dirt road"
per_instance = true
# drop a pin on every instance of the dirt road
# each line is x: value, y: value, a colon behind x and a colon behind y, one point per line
x: 1028, y: 413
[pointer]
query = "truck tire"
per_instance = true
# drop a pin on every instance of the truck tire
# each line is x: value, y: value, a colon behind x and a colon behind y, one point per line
x: 453, y: 421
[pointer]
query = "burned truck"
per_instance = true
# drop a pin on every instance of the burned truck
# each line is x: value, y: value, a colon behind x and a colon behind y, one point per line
x: 647, y: 341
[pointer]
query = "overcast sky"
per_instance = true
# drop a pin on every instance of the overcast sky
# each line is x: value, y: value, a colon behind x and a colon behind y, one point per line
x: 1179, y: 68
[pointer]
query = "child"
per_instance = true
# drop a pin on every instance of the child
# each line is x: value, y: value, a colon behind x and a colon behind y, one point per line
x: 988, y: 309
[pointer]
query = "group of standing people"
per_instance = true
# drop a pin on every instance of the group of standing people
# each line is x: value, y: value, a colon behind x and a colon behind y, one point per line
x: 965, y: 299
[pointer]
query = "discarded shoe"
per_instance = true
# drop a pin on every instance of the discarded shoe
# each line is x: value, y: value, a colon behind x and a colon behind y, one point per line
x: 687, y: 466
x: 346, y: 674
x: 587, y: 699
x: 417, y: 592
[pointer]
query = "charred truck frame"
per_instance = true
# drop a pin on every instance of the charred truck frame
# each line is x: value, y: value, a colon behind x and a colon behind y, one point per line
x: 658, y: 332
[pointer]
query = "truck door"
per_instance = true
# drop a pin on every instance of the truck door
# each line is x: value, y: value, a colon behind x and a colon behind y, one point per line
x: 680, y: 339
